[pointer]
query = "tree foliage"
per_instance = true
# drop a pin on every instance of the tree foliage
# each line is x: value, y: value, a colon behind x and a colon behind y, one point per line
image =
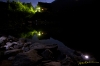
x: 21, y: 7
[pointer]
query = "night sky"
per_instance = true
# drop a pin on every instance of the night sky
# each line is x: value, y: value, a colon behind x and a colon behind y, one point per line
x: 34, y: 2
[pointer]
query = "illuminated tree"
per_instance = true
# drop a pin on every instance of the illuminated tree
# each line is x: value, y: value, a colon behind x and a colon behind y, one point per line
x: 31, y: 33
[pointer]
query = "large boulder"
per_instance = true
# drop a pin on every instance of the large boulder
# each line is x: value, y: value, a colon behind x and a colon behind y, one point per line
x: 33, y: 55
x: 22, y: 60
x: 47, y: 54
x: 37, y: 46
x: 27, y: 58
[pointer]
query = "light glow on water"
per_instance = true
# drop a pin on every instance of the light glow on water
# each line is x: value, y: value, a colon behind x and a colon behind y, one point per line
x: 31, y: 33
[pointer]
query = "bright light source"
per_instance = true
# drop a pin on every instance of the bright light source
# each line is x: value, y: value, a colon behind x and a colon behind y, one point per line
x: 42, y: 9
x: 86, y: 56
x: 38, y: 8
x: 39, y: 34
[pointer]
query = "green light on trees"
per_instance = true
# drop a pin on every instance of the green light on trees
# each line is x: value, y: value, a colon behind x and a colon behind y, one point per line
x: 31, y: 33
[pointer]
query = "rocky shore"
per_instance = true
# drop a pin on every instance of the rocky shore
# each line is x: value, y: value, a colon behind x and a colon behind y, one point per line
x: 35, y: 52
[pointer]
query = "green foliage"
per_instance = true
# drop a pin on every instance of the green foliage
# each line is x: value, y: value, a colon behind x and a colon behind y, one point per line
x: 16, y: 15
x: 21, y: 7
x: 31, y: 33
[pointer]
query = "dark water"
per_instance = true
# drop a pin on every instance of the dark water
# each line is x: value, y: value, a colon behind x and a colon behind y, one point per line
x: 78, y: 38
x: 81, y: 38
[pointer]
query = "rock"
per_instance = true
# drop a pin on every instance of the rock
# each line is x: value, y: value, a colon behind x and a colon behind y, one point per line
x: 25, y: 49
x: 15, y: 43
x: 6, y: 63
x: 20, y: 46
x: 10, y: 37
x: 27, y: 44
x: 37, y: 46
x: 51, y: 46
x: 27, y: 58
x: 33, y: 56
x: 53, y: 63
x: 47, y: 54
x: 64, y: 49
x: 2, y: 39
x: 43, y: 46
x: 11, y: 58
x: 22, y: 60
x: 8, y: 45
x: 37, y: 52
x: 15, y: 51
x: 22, y: 41
x: 67, y: 62
x: 16, y: 47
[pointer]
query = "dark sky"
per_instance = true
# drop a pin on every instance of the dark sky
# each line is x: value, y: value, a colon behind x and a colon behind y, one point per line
x: 34, y: 2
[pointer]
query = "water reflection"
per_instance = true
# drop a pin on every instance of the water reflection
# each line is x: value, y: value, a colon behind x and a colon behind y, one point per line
x: 31, y: 33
